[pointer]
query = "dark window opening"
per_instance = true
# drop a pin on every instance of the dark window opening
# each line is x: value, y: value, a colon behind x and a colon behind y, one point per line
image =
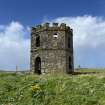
x: 38, y: 65
x: 70, y: 63
x: 69, y: 42
x: 37, y: 41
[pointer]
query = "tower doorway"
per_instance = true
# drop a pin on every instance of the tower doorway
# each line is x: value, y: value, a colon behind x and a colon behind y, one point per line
x: 38, y: 65
x: 70, y: 63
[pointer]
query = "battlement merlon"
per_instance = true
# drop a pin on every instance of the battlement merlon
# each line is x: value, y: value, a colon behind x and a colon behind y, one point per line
x: 48, y: 26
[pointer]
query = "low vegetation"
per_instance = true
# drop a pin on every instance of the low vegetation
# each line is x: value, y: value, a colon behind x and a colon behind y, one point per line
x: 52, y: 89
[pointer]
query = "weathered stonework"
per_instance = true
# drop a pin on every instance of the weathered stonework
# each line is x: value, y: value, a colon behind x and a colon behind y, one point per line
x: 51, y: 49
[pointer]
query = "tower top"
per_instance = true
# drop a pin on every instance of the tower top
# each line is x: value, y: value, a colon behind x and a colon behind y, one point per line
x: 53, y: 26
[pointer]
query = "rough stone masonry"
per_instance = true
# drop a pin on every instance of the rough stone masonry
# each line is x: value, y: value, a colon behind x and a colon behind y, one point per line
x: 51, y: 48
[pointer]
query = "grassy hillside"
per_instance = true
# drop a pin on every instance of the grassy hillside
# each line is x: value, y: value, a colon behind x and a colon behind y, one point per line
x: 55, y: 89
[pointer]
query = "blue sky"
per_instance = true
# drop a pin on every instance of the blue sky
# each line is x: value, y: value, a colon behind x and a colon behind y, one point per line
x: 30, y: 12
x: 86, y: 17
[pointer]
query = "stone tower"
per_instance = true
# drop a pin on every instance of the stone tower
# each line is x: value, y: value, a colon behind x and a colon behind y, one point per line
x: 51, y: 48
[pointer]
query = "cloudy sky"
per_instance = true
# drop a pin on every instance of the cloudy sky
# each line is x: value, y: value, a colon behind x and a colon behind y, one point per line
x: 86, y: 17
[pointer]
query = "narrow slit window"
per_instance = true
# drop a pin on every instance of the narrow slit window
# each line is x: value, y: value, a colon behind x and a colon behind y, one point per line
x: 69, y: 42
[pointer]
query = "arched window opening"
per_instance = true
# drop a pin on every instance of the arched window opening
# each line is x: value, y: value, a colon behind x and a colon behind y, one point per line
x: 70, y: 63
x: 38, y: 65
x: 37, y: 41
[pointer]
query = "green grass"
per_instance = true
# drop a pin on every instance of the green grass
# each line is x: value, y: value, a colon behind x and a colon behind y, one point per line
x: 53, y: 89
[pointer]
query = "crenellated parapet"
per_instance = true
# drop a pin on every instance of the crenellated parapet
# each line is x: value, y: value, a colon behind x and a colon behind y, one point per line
x: 51, y: 27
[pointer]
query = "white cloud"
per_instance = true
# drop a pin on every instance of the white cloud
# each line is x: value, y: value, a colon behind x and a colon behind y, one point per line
x: 14, y: 46
x: 89, y: 39
x: 89, y: 42
x: 88, y: 30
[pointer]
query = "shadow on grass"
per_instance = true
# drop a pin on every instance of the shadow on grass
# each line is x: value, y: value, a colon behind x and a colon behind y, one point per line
x: 80, y: 73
